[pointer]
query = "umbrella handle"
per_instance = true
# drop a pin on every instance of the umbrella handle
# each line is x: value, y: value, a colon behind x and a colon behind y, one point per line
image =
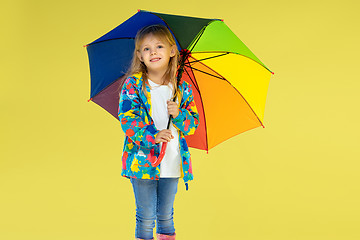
x: 161, y: 156
x: 163, y: 147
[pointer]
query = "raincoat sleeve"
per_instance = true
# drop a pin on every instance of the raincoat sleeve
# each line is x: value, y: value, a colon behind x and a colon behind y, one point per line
x: 188, y: 119
x: 133, y: 125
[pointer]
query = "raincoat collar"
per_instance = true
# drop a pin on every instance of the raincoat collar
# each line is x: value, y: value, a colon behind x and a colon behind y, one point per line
x: 146, y: 100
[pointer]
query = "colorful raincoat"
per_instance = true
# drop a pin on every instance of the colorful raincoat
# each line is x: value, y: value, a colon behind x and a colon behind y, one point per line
x: 140, y: 131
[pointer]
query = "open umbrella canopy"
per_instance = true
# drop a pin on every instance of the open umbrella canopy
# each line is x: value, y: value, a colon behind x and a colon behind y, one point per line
x: 229, y: 82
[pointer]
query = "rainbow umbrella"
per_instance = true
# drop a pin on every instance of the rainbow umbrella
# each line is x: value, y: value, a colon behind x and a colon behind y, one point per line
x: 229, y: 82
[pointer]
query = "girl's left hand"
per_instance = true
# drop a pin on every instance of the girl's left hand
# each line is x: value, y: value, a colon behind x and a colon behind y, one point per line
x: 172, y: 108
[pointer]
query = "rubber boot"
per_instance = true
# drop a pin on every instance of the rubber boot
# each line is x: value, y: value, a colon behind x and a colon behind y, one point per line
x: 165, y: 237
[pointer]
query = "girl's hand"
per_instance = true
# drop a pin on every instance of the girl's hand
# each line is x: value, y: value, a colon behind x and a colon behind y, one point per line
x: 164, y: 136
x: 172, y: 108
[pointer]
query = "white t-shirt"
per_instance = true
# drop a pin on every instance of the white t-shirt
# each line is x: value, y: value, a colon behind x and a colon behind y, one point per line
x: 170, y: 165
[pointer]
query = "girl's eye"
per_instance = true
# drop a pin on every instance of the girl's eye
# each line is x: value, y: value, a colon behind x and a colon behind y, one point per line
x: 160, y: 46
x: 145, y: 49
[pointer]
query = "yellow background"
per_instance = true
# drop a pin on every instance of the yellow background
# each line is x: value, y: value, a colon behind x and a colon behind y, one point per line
x: 296, y: 179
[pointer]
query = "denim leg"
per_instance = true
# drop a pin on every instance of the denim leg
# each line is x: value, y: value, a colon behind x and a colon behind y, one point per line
x: 167, y: 190
x: 145, y: 191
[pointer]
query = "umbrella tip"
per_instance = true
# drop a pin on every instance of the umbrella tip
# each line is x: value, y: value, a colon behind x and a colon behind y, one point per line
x: 89, y: 99
x: 222, y: 20
x: 139, y: 10
x: 272, y: 73
x: 85, y: 45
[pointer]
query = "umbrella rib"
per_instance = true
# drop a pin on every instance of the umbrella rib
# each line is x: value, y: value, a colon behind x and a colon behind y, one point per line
x: 261, y: 64
x: 234, y: 88
x: 208, y: 73
x: 198, y: 38
x: 209, y: 58
x: 202, y: 105
x: 192, y: 80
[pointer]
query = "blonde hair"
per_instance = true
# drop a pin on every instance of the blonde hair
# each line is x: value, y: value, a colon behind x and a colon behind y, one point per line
x: 163, y: 33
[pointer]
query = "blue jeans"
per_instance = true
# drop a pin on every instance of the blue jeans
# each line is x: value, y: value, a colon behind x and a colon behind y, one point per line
x: 154, y: 200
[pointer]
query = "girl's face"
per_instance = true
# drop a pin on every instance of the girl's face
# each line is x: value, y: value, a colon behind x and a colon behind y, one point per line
x: 155, y: 53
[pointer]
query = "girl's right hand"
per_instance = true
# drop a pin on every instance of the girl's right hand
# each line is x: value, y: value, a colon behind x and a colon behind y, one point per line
x: 164, y: 136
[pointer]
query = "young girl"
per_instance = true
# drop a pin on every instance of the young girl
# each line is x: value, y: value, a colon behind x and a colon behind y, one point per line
x: 144, y: 109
